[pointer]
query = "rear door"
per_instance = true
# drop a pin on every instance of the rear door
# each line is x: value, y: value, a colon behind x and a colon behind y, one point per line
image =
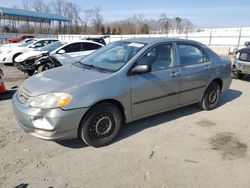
x: 196, y: 71
x: 157, y: 90
x: 87, y: 48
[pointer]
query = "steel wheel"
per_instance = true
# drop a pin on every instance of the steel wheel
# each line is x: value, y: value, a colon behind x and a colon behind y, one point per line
x: 101, y: 124
x: 211, y: 97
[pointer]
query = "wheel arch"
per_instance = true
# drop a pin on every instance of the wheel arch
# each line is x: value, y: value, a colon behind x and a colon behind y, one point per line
x: 218, y: 81
x: 15, y: 55
x: 112, y: 101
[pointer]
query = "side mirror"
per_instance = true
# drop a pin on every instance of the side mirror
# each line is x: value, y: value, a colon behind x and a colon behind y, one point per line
x: 32, y: 46
x: 61, y: 51
x: 140, y: 69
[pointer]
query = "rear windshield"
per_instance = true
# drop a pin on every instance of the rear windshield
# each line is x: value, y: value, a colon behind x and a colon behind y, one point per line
x: 244, y: 56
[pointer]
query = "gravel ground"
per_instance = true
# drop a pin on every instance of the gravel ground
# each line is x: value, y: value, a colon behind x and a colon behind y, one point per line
x: 186, y: 147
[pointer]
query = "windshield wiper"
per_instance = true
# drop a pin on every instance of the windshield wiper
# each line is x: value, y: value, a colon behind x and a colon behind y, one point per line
x: 89, y: 67
x: 99, y: 69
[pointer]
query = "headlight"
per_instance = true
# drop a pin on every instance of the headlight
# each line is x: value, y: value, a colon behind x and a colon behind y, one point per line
x: 51, y: 100
x: 9, y: 51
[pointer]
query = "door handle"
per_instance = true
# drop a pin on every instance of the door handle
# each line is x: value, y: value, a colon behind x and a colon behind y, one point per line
x: 208, y: 67
x: 174, y: 74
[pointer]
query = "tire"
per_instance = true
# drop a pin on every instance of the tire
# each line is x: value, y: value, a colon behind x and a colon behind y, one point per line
x: 211, y: 97
x: 237, y: 75
x: 29, y: 73
x: 42, y: 68
x: 101, y: 125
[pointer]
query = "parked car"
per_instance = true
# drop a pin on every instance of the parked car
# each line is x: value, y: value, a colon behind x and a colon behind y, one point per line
x: 26, y: 61
x: 241, y: 63
x: 55, y: 55
x: 119, y: 83
x: 8, y: 56
x: 18, y: 44
x: 21, y: 37
x: 97, y: 39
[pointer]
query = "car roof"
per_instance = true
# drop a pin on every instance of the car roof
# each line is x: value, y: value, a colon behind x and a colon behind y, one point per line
x: 38, y: 39
x: 244, y: 50
x: 74, y: 41
x: 153, y: 41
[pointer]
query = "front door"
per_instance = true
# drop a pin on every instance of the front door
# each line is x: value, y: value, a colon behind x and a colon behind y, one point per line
x: 157, y: 90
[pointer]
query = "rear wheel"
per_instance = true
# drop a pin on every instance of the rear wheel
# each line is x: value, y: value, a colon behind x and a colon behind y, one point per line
x: 211, y: 97
x: 101, y: 125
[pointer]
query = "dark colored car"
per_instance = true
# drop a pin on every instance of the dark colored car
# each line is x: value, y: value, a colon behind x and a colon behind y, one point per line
x: 241, y: 63
x: 21, y: 37
x: 100, y: 40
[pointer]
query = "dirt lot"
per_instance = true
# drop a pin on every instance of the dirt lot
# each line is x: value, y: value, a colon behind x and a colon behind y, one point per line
x: 182, y: 148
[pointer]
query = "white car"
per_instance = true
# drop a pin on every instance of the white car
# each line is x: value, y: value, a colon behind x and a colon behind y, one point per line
x: 24, y: 42
x: 62, y: 52
x: 75, y: 51
x: 8, y: 55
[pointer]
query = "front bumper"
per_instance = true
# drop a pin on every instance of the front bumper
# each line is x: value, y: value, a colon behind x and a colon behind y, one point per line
x: 4, y: 58
x: 243, y: 67
x: 49, y: 124
x: 23, y: 66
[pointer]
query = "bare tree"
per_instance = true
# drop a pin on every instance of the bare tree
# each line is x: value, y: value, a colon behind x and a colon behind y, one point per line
x: 37, y: 5
x: 186, y: 26
x: 165, y: 23
x: 85, y: 18
x: 58, y: 6
x: 26, y: 4
x: 138, y: 21
x: 97, y: 19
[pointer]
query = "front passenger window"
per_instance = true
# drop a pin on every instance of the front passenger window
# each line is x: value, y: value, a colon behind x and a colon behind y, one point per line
x: 159, y: 57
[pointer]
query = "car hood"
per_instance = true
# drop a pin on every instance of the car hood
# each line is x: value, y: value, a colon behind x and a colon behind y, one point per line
x: 66, y: 78
x: 28, y: 55
x: 11, y: 45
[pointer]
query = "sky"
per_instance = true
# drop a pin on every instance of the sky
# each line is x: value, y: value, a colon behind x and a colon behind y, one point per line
x: 203, y: 13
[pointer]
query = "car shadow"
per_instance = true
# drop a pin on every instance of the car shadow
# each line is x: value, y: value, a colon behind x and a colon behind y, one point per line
x: 246, y: 78
x: 7, y: 95
x: 228, y: 96
x: 76, y: 143
x: 133, y: 128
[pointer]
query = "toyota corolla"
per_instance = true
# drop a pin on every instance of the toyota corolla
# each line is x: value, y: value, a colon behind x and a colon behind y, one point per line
x: 119, y: 83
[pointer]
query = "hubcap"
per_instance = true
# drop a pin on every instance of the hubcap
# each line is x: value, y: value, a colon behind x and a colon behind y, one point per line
x: 103, y: 125
x: 212, y: 97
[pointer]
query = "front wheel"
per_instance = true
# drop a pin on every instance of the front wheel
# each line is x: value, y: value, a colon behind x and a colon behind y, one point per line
x: 101, y: 125
x: 42, y: 68
x: 211, y: 97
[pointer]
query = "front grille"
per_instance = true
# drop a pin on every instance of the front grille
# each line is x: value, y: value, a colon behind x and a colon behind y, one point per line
x: 23, y: 95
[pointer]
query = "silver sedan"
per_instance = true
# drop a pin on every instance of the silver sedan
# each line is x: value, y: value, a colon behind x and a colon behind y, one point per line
x: 119, y: 83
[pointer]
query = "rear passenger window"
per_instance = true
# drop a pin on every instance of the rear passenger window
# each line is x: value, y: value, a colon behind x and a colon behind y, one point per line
x: 75, y: 47
x: 191, y: 54
x: 90, y: 46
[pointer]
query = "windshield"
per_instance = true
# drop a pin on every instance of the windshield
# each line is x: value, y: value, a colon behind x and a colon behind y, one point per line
x: 113, y: 56
x: 51, y: 46
x: 243, y: 56
x: 28, y: 43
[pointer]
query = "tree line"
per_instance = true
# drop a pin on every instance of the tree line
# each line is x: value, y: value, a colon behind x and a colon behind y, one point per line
x: 91, y: 21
